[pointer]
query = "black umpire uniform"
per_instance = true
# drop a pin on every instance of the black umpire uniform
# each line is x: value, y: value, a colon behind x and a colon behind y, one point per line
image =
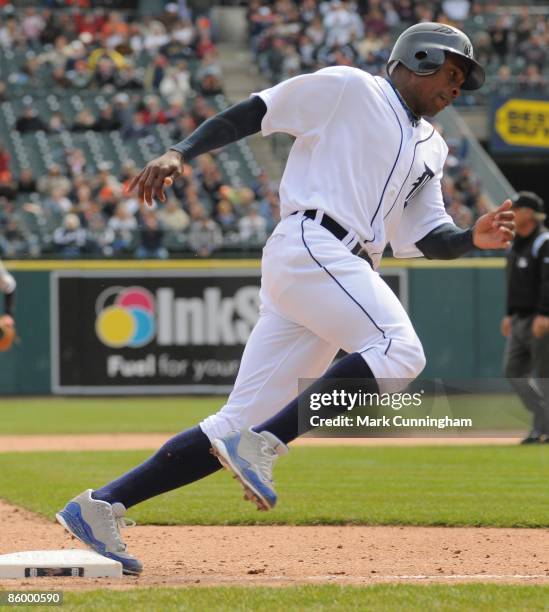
x: 526, y: 359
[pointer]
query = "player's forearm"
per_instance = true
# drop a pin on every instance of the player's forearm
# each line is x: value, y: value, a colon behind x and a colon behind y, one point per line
x: 446, y: 242
x: 232, y: 124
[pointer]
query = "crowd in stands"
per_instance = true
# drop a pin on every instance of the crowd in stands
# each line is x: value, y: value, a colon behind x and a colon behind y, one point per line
x: 165, y: 71
x: 142, y: 67
x: 290, y: 37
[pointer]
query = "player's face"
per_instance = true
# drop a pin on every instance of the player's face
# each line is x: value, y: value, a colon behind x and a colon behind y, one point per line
x: 437, y: 91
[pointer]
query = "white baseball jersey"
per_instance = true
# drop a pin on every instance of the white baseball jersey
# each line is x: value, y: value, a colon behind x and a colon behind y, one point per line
x: 7, y: 282
x: 363, y: 160
x: 358, y: 158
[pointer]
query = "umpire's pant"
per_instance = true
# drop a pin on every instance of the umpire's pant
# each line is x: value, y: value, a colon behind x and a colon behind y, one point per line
x: 526, y: 365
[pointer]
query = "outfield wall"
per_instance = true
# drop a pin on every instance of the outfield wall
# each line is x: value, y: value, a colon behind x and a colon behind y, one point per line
x: 108, y: 327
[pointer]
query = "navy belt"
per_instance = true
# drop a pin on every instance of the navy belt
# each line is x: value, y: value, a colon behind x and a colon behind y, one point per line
x: 333, y: 227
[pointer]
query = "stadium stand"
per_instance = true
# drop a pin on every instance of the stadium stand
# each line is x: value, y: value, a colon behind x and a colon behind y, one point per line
x: 88, y: 96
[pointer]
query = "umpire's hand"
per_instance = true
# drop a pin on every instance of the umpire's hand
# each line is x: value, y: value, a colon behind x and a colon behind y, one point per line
x: 157, y: 174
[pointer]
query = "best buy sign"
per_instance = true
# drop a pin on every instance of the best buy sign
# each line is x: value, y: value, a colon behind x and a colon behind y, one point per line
x: 523, y: 123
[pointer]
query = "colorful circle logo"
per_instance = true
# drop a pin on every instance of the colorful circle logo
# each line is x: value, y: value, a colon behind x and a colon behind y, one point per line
x: 128, y: 319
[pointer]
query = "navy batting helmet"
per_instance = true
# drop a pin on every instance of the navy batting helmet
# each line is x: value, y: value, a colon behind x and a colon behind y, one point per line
x: 422, y: 49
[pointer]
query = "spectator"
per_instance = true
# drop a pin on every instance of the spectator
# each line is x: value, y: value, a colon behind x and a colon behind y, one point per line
x: 253, y: 227
x: 124, y: 226
x: 151, y: 237
x: 107, y: 122
x: 79, y: 76
x: 26, y: 182
x: 8, y: 187
x: 72, y: 240
x: 57, y: 204
x: 56, y: 124
x: 205, y: 236
x: 176, y: 83
x: 53, y: 180
x: 173, y: 217
x: 129, y: 78
x: 137, y: 128
x: 29, y: 121
x: 5, y: 158
x: 84, y: 121
x: 76, y: 162
x: 225, y: 216
x: 15, y: 241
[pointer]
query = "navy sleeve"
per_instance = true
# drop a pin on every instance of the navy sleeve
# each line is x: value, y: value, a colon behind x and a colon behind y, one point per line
x: 446, y: 242
x: 232, y: 124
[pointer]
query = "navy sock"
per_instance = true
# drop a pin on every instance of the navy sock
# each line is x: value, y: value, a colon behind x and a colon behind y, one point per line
x: 181, y: 460
x: 286, y: 425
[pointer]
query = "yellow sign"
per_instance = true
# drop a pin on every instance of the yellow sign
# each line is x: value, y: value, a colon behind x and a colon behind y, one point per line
x: 524, y: 123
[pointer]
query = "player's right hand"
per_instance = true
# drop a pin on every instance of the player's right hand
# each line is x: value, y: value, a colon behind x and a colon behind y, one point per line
x: 156, y: 175
x: 506, y: 327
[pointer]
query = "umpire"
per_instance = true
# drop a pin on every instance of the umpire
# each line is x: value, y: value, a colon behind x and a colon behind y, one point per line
x: 526, y: 325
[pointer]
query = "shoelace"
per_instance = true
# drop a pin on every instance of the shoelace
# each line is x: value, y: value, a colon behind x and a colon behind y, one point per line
x: 115, y: 524
x: 266, y: 463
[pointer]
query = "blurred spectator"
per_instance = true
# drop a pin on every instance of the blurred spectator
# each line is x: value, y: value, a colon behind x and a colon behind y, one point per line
x: 15, y: 241
x: 5, y: 159
x: 137, y: 128
x: 173, y: 217
x: 106, y: 121
x: 84, y: 121
x: 253, y: 227
x: 151, y: 236
x: 79, y: 76
x: 176, y: 83
x: 204, y: 234
x: 8, y: 187
x: 105, y: 73
x: 26, y: 182
x: 72, y: 240
x: 56, y: 123
x: 54, y: 179
x: 124, y: 226
x: 128, y: 78
x: 57, y: 204
x: 29, y: 121
x: 225, y: 216
x: 76, y: 162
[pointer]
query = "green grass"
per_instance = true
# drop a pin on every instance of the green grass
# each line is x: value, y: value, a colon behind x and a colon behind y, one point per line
x: 383, y: 597
x: 103, y: 415
x: 171, y: 414
x: 502, y: 486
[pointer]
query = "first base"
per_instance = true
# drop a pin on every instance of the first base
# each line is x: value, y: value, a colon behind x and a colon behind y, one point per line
x: 73, y: 562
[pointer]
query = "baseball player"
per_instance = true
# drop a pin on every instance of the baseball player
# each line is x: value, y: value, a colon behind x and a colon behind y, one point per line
x: 7, y: 323
x: 364, y: 171
x: 526, y: 324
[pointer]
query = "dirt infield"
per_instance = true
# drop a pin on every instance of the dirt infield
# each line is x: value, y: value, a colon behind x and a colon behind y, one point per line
x: 96, y: 442
x: 289, y: 555
x: 182, y: 556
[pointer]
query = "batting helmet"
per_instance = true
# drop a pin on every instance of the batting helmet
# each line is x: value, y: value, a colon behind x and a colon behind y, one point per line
x: 422, y: 49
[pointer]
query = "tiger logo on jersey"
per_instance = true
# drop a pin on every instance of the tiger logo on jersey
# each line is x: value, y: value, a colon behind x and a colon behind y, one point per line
x: 427, y: 175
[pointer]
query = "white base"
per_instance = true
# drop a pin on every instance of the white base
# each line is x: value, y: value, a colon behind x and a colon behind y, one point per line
x: 71, y: 562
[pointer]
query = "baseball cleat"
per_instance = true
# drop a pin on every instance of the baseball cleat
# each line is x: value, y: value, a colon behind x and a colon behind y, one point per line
x: 97, y: 524
x: 250, y: 457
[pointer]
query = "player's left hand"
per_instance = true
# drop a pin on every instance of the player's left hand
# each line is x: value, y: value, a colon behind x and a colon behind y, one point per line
x: 496, y: 229
x: 540, y: 326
